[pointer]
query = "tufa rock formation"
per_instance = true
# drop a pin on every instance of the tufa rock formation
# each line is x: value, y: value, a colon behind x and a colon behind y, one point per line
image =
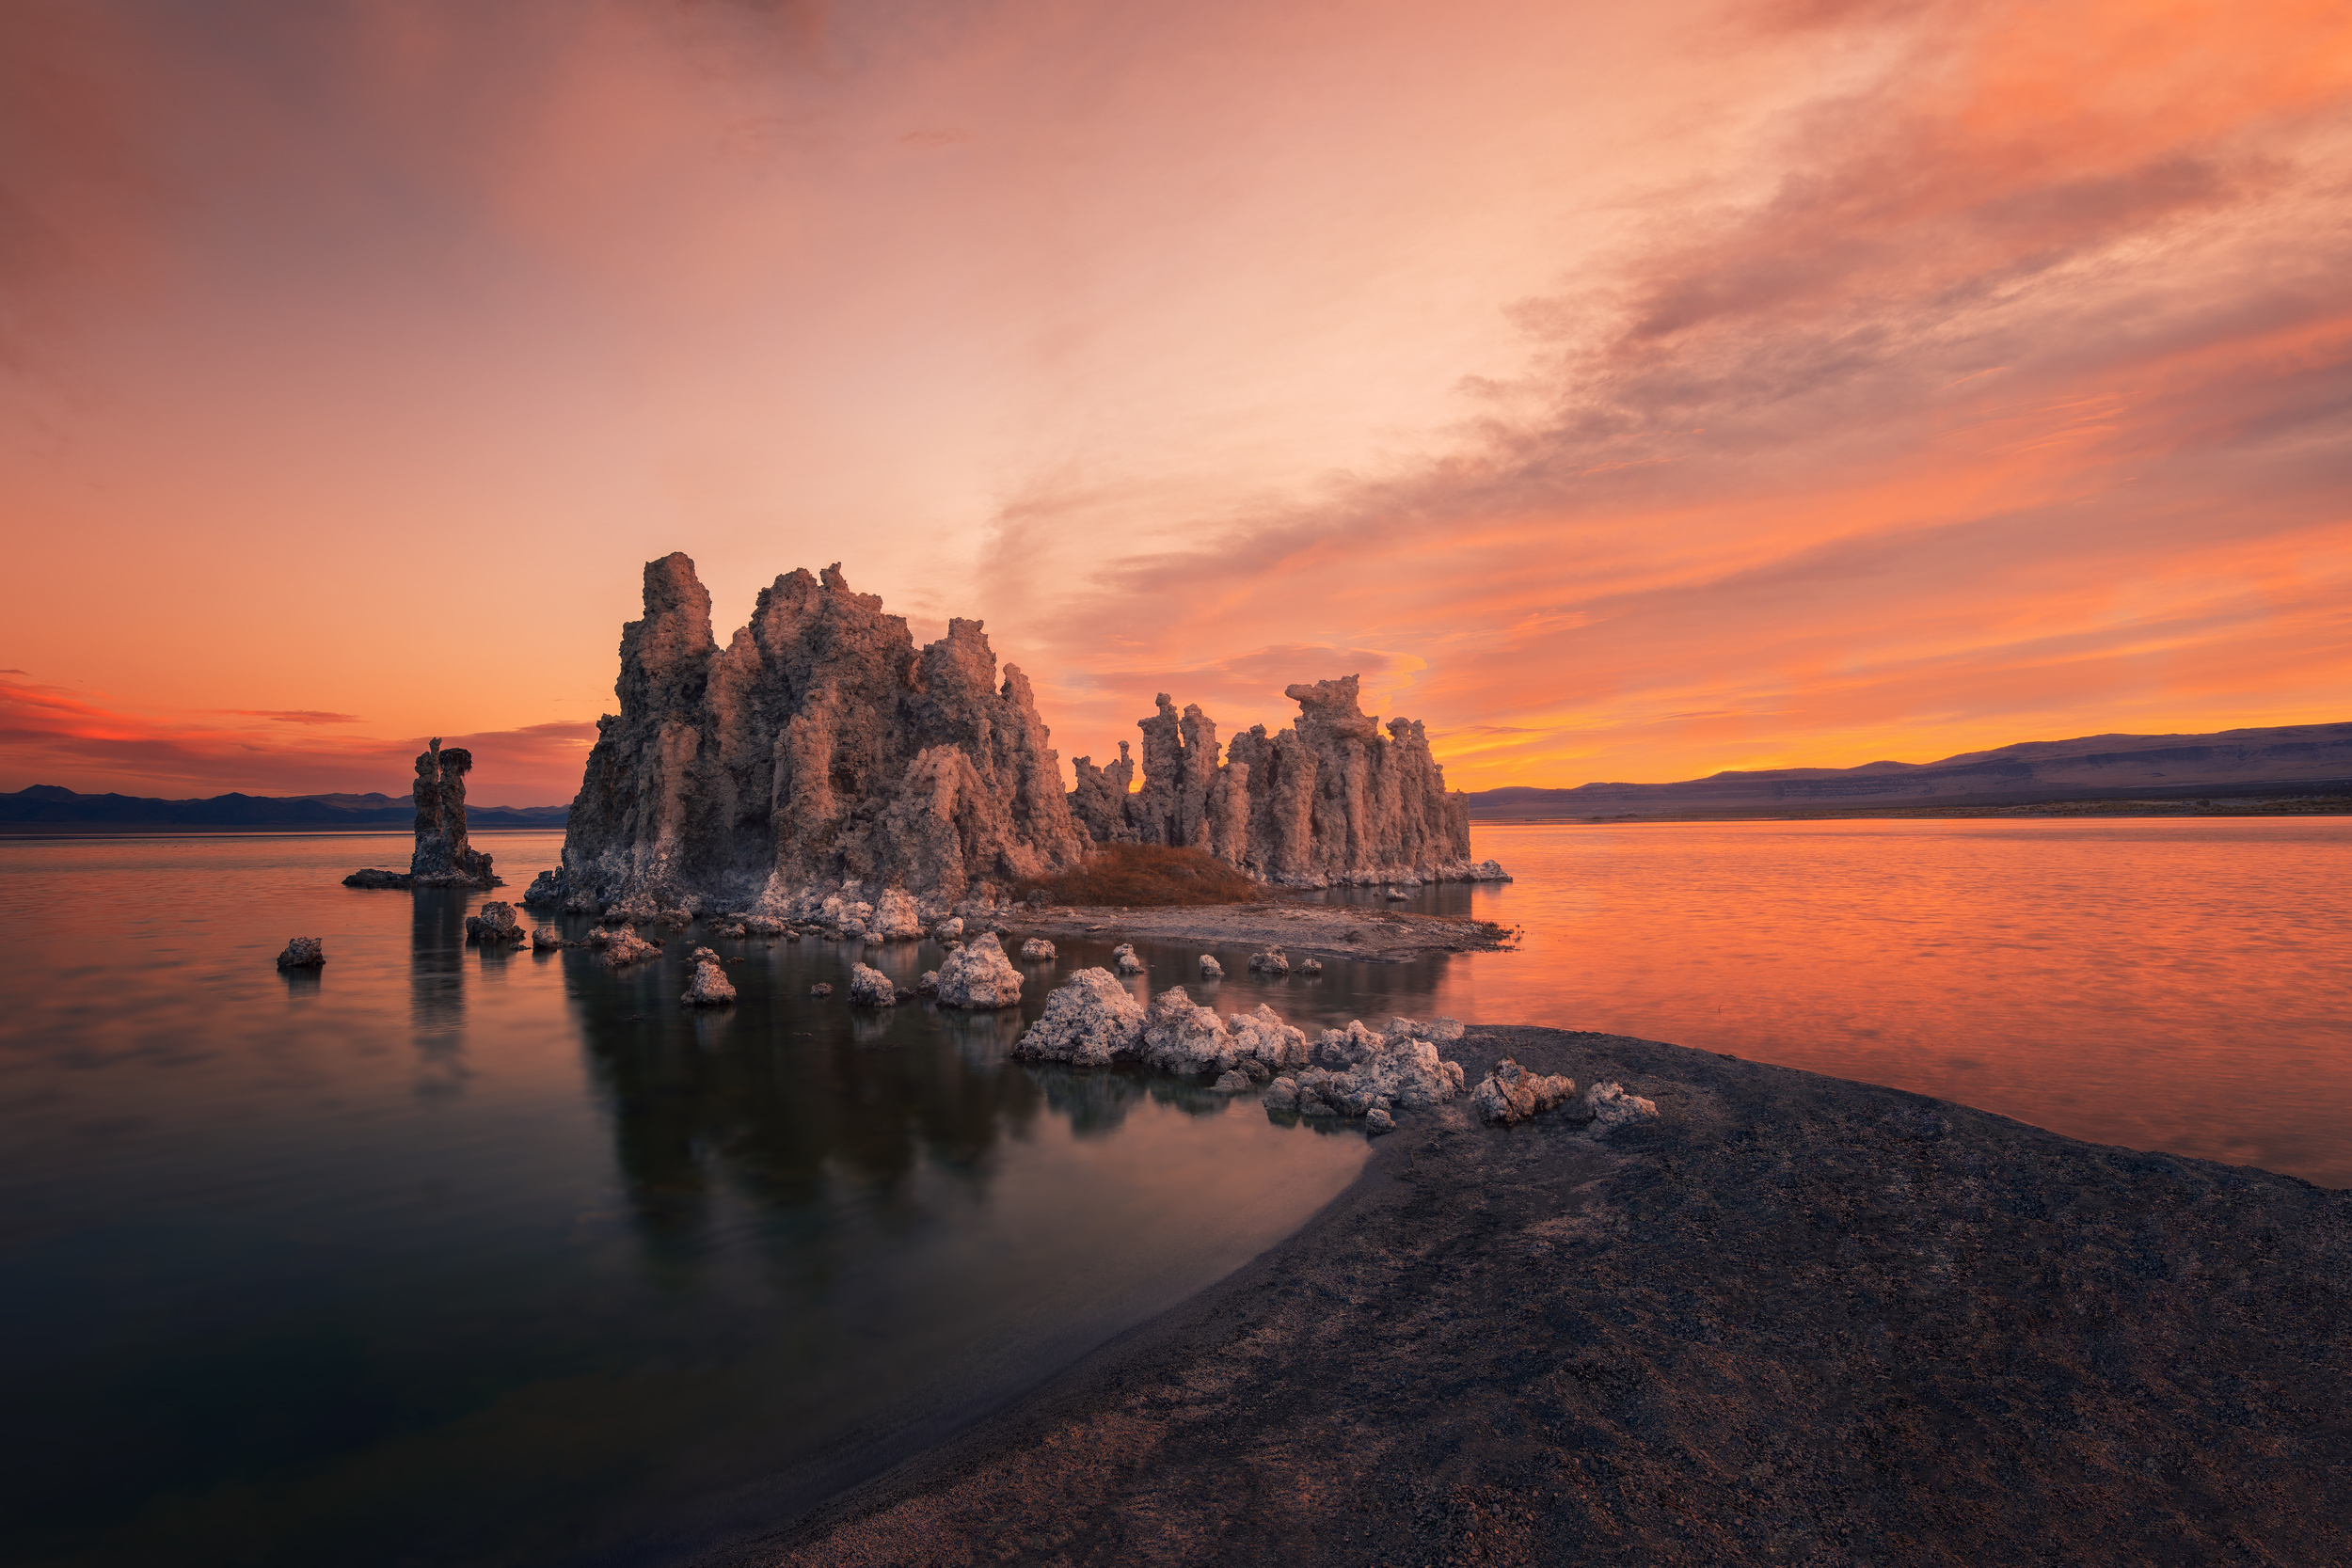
x: 442, y: 857
x: 1330, y: 801
x: 819, y: 754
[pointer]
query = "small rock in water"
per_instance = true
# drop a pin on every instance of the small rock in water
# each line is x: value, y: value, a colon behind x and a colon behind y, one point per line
x: 1124, y: 959
x: 303, y: 953
x: 1311, y: 966
x: 710, y: 987
x: 1282, y: 1094
x: 548, y: 937
x: 978, y: 974
x: 624, y: 946
x: 495, y: 924
x: 1379, y: 1121
x: 871, y: 987
x: 1234, y: 1081
x: 1397, y: 895
x: 1089, y: 1021
x: 1272, y: 961
x: 1210, y: 968
x: 947, y: 930
x: 820, y: 989
x: 929, y: 984
x: 1037, y: 947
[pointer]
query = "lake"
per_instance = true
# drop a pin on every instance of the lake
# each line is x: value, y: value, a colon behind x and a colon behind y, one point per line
x: 441, y: 1256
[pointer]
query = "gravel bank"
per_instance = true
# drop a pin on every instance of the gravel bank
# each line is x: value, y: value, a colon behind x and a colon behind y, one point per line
x: 1798, y: 1321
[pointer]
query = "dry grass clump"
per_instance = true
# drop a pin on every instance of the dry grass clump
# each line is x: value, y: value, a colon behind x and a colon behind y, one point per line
x: 1135, y: 875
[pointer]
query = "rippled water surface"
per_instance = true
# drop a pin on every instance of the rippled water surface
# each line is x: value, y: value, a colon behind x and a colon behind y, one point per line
x: 2171, y: 984
x: 454, y: 1258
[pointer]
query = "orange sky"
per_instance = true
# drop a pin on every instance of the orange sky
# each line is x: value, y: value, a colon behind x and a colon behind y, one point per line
x: 1630, y: 392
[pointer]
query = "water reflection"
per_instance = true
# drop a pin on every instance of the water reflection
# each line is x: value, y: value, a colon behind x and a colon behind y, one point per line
x: 436, y: 989
x: 784, y: 1100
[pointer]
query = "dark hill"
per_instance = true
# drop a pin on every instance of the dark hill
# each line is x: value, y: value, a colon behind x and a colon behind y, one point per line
x: 48, y: 807
x: 2286, y: 760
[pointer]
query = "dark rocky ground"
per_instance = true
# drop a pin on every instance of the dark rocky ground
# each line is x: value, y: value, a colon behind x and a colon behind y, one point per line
x: 1798, y: 1321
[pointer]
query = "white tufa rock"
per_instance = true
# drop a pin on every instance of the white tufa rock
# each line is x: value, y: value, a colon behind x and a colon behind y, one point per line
x: 1311, y: 966
x: 871, y: 987
x: 710, y: 987
x: 947, y: 930
x: 1124, y: 959
x: 1272, y: 961
x: 1089, y: 1021
x: 1210, y: 968
x: 896, y: 917
x: 1037, y: 949
x: 1510, y: 1094
x: 1612, y: 1108
x: 1359, y: 1069
x: 978, y: 974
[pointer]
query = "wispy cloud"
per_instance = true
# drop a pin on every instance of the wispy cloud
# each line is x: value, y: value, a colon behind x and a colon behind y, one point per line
x: 50, y: 735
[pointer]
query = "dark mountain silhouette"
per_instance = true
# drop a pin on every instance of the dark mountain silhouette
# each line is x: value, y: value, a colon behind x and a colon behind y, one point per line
x: 43, y: 806
x: 2291, y: 759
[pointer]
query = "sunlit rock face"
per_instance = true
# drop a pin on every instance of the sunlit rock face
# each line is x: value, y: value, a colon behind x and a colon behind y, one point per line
x: 1330, y: 800
x: 819, y: 754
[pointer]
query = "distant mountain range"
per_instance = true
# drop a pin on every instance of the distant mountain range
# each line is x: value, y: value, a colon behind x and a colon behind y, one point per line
x: 2289, y: 759
x: 47, y: 806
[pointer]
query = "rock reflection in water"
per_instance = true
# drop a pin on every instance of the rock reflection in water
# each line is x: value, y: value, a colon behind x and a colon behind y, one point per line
x: 782, y: 1098
x: 436, y: 989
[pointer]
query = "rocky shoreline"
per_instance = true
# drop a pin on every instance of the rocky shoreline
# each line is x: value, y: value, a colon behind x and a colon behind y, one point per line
x: 1793, y: 1319
x: 1322, y: 931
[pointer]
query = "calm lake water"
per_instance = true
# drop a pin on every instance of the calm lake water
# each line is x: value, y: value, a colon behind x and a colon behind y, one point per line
x: 443, y: 1256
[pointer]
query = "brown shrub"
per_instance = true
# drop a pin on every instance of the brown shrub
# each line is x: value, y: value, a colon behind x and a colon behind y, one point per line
x: 1133, y: 875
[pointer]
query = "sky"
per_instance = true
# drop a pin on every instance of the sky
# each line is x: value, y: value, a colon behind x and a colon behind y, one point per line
x: 1628, y: 393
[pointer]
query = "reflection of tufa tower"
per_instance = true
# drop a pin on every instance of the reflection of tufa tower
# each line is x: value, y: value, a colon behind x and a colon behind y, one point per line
x: 443, y: 859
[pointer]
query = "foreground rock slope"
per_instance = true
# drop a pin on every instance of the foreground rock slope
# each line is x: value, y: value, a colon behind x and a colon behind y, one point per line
x: 819, y: 754
x: 1329, y: 802
x: 1795, y: 1320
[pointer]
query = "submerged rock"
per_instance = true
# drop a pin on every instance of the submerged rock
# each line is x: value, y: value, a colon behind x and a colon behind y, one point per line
x: 442, y: 856
x: 1089, y: 1021
x: 303, y: 953
x: 871, y: 987
x: 710, y: 987
x: 1509, y: 1094
x: 822, y: 988
x: 818, y: 748
x: 1331, y: 801
x: 1037, y: 949
x: 978, y: 974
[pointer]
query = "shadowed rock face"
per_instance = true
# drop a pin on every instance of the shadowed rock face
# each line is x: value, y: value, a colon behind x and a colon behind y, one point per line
x: 1329, y: 802
x: 818, y: 748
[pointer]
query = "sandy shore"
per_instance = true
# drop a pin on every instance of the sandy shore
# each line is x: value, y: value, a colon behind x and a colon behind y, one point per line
x: 1799, y: 1320
x: 1363, y: 933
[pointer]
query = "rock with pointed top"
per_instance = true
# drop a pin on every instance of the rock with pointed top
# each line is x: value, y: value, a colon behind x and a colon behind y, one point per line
x: 871, y: 987
x: 818, y: 748
x: 709, y: 987
x: 1090, y: 1019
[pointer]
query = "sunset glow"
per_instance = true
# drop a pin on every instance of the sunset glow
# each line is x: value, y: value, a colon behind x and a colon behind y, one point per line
x: 1629, y: 393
